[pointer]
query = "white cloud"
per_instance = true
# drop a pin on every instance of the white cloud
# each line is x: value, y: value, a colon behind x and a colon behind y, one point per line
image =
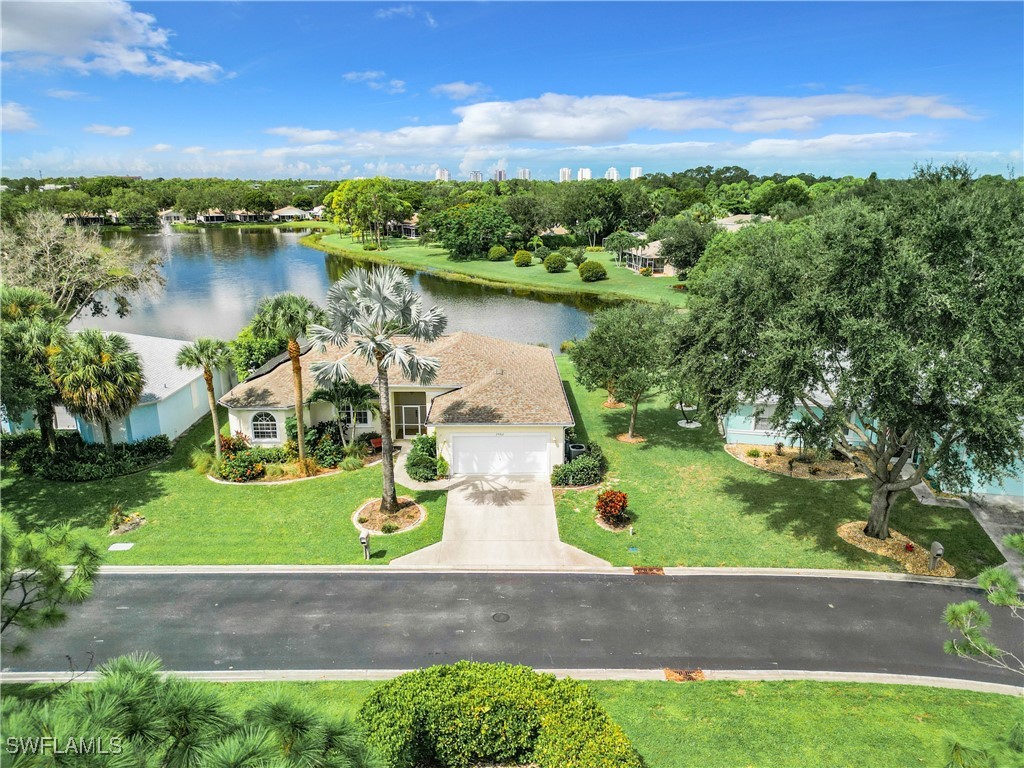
x: 15, y: 118
x: 836, y: 143
x: 376, y: 80
x: 193, y: 150
x: 104, y: 36
x: 57, y: 93
x: 405, y: 11
x: 460, y: 90
x: 160, y: 148
x: 233, y: 152
x: 108, y: 130
x: 305, y: 135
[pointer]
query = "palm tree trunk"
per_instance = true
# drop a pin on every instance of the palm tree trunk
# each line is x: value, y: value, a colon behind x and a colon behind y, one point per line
x: 108, y: 438
x: 300, y: 425
x: 45, y: 416
x: 389, y: 499
x: 208, y: 375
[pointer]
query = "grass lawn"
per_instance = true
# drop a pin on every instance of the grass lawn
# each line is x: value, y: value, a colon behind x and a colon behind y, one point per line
x: 621, y: 283
x: 696, y: 505
x: 194, y: 521
x: 723, y: 724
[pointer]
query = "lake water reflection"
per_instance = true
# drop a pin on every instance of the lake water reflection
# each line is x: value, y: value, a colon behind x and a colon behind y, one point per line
x: 215, y: 278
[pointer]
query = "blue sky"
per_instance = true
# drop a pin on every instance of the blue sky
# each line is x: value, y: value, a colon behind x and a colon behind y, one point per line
x: 335, y: 90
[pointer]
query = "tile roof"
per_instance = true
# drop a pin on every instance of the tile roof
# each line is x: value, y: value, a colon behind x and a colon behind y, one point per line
x: 490, y: 381
x: 163, y: 376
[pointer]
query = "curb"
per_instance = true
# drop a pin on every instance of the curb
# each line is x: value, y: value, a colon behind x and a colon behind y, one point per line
x: 764, y: 675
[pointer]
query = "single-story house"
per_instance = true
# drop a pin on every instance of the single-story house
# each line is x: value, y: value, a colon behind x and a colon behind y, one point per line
x: 170, y: 216
x: 244, y: 216
x: 173, y: 398
x: 89, y: 219
x: 648, y: 256
x: 409, y: 228
x: 318, y: 211
x: 496, y: 406
x: 289, y: 213
x: 740, y: 220
x: 211, y: 216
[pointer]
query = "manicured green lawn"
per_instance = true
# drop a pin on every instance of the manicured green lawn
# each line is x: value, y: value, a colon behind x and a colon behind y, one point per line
x: 192, y: 520
x: 723, y: 724
x: 696, y: 505
x: 621, y: 283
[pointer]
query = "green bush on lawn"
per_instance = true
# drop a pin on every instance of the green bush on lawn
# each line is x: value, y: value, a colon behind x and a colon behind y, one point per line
x: 76, y: 461
x: 421, y: 463
x: 470, y: 713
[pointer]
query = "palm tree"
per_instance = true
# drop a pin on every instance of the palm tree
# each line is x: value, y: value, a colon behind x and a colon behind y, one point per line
x: 345, y: 395
x: 289, y: 315
x: 370, y: 309
x: 535, y: 242
x: 99, y: 377
x: 210, y: 355
x: 33, y: 329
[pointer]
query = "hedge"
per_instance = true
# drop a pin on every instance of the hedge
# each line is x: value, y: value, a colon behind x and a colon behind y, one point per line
x: 76, y: 461
x: 471, y: 713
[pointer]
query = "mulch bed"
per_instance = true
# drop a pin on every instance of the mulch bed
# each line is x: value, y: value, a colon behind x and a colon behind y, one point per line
x: 829, y: 469
x: 648, y: 570
x: 612, y: 403
x: 913, y: 557
x: 684, y: 675
x: 625, y: 438
x: 369, y: 517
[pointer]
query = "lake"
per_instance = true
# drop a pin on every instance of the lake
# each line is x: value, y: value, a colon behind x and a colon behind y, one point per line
x: 215, y: 279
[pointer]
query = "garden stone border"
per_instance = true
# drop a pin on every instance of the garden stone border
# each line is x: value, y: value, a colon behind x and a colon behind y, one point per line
x: 365, y: 504
x: 261, y: 483
x: 694, y: 424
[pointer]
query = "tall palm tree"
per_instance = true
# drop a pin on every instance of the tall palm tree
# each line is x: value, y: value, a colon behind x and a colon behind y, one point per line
x: 535, y: 242
x: 210, y: 355
x: 345, y: 395
x: 33, y: 328
x: 99, y: 377
x: 289, y: 315
x: 370, y: 309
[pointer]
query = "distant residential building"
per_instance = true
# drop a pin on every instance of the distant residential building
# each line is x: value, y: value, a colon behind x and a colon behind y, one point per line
x: 636, y: 172
x: 565, y: 174
x: 523, y: 173
x: 170, y: 216
x: 211, y: 216
x: 476, y: 176
x: 612, y: 173
x: 53, y: 187
x: 583, y: 174
x: 442, y: 174
x: 289, y: 213
x: 500, y: 175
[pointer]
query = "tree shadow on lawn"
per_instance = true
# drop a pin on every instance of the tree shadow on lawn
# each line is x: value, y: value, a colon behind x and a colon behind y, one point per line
x: 659, y: 426
x: 812, y: 510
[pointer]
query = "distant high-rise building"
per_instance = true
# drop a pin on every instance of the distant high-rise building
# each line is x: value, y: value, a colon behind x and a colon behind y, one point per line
x: 476, y: 176
x: 612, y: 173
x: 565, y: 174
x: 442, y: 174
x: 500, y: 175
x: 636, y: 172
x: 583, y: 174
x: 523, y: 173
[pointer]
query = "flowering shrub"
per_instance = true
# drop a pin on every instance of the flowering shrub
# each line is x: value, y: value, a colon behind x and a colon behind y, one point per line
x: 242, y: 466
x: 611, y: 507
x: 230, y: 444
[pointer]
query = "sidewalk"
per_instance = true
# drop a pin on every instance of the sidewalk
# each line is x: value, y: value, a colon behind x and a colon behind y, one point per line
x: 1000, y: 515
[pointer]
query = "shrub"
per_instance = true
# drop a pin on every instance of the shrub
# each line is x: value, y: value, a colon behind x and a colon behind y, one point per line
x: 542, y: 252
x: 555, y: 263
x: 754, y: 453
x: 270, y: 455
x: 594, y: 249
x: 579, y: 255
x: 242, y: 467
x: 567, y: 252
x: 364, y: 438
x: 471, y: 713
x: 201, y: 461
x: 389, y: 528
x: 275, y: 471
x: 646, y: 271
x: 421, y: 463
x: 497, y: 253
x: 442, y: 467
x: 611, y: 507
x: 583, y: 470
x: 566, y: 345
x: 778, y: 448
x: 351, y: 463
x: 12, y: 445
x: 328, y: 453
x: 595, y: 450
x: 75, y: 461
x: 523, y: 259
x: 233, y: 443
x: 369, y: 246
x: 592, y: 271
x: 814, y: 469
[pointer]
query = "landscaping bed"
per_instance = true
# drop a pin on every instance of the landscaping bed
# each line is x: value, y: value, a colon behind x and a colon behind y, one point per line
x: 911, y: 555
x: 791, y: 462
x: 369, y: 517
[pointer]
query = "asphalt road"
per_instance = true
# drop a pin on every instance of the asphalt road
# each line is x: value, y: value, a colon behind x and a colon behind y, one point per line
x: 379, y: 620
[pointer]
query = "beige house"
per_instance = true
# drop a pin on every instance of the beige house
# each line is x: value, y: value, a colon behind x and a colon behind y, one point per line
x: 496, y: 407
x: 649, y: 256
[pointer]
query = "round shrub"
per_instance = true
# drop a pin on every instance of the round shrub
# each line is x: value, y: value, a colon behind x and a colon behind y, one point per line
x: 594, y: 248
x: 421, y: 464
x: 555, y: 263
x: 497, y: 253
x: 470, y: 713
x: 523, y: 258
x: 611, y: 507
x: 592, y: 271
x: 542, y: 252
x: 242, y: 466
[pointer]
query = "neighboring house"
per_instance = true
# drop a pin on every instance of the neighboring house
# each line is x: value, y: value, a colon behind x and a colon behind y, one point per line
x: 244, y: 216
x: 409, y: 228
x: 63, y: 421
x: 555, y: 232
x: 317, y: 212
x: 740, y: 220
x: 648, y: 256
x: 289, y: 213
x: 86, y: 219
x: 173, y: 398
x: 496, y: 406
x: 170, y: 217
x: 211, y: 216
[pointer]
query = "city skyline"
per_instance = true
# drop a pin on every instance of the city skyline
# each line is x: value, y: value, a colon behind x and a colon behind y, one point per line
x: 155, y: 89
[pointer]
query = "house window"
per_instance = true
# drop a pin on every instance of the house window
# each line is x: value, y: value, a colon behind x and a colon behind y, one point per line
x: 763, y: 420
x: 362, y: 418
x: 264, y: 426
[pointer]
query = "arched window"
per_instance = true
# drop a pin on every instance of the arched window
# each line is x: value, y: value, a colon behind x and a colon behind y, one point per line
x: 264, y: 426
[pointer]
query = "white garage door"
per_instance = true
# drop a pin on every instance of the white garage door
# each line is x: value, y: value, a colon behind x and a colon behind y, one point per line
x: 500, y: 454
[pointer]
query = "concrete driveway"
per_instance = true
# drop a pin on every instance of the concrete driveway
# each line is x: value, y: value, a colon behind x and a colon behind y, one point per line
x: 495, y: 521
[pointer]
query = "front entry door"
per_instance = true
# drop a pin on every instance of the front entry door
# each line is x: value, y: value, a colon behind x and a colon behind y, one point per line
x: 412, y: 420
